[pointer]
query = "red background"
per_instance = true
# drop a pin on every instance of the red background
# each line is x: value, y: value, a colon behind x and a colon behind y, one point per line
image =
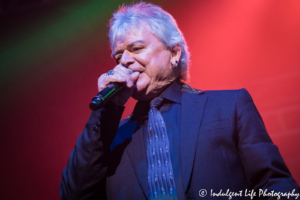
x: 250, y: 44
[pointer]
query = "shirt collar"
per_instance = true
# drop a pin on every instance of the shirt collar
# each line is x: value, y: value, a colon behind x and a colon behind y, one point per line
x: 172, y: 93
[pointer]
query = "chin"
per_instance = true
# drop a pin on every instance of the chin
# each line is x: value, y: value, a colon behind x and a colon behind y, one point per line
x: 139, y: 95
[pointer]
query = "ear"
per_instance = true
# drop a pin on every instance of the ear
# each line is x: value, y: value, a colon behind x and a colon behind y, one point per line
x: 175, y: 54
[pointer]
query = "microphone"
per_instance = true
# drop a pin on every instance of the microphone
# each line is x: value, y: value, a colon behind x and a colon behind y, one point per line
x: 106, y: 94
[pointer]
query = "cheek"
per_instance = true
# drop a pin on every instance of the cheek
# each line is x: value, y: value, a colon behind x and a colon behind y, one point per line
x: 159, y: 68
x: 162, y: 72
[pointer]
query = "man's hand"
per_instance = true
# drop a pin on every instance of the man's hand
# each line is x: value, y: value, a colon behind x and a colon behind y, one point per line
x: 121, y: 75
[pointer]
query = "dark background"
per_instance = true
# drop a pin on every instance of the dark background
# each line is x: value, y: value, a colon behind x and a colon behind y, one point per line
x: 53, y: 51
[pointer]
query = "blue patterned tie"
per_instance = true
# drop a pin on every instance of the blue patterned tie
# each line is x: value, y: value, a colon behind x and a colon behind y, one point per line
x: 160, y: 171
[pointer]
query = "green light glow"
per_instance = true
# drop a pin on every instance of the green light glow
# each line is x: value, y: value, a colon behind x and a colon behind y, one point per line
x: 26, y: 49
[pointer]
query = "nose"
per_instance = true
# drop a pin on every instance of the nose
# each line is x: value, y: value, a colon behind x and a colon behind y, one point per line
x: 126, y: 59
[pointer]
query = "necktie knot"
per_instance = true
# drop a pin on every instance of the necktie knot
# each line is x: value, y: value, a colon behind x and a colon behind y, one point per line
x: 156, y: 102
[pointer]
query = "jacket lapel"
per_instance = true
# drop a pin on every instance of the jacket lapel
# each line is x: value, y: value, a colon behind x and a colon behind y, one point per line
x: 137, y: 154
x: 191, y: 117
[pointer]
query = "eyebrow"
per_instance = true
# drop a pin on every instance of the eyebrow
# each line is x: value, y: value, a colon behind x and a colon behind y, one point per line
x: 129, y: 45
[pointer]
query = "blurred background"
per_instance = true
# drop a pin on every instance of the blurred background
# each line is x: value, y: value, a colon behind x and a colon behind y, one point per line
x: 53, y: 51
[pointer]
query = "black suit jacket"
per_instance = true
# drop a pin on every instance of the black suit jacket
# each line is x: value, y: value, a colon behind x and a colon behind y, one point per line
x: 223, y: 146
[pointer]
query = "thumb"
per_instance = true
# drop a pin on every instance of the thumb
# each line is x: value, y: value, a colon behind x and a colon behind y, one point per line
x: 134, y: 77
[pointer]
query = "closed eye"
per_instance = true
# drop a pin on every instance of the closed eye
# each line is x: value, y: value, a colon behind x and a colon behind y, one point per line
x: 136, y: 48
x: 117, y: 59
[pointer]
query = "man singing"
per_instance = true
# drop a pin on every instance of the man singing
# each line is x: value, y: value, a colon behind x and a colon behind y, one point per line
x: 178, y: 140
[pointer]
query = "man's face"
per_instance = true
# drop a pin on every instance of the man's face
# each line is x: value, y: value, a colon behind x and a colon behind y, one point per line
x: 141, y: 51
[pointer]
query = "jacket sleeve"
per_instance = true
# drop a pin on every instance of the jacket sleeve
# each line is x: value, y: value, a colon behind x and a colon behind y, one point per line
x: 84, y: 176
x: 264, y: 167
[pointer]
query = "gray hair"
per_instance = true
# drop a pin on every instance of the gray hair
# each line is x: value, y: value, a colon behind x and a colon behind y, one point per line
x: 162, y: 24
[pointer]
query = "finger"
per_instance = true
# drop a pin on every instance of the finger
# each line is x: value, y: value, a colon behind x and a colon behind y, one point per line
x: 134, y: 77
x: 118, y: 77
x: 126, y: 73
x: 124, y: 69
x: 101, y: 80
x: 119, y: 73
x: 104, y: 80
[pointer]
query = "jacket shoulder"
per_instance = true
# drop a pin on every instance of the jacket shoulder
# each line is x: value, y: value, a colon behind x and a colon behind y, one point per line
x: 190, y: 89
x: 229, y: 94
x: 226, y: 92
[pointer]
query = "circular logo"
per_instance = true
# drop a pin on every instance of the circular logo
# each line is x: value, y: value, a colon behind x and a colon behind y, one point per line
x: 202, y: 192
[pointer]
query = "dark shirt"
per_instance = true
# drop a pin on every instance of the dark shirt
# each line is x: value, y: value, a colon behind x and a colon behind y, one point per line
x: 170, y: 110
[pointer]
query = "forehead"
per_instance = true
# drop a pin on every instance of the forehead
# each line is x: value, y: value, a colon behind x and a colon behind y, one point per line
x: 132, y: 35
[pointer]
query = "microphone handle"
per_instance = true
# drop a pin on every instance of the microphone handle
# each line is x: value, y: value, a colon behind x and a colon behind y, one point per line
x: 105, y: 95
